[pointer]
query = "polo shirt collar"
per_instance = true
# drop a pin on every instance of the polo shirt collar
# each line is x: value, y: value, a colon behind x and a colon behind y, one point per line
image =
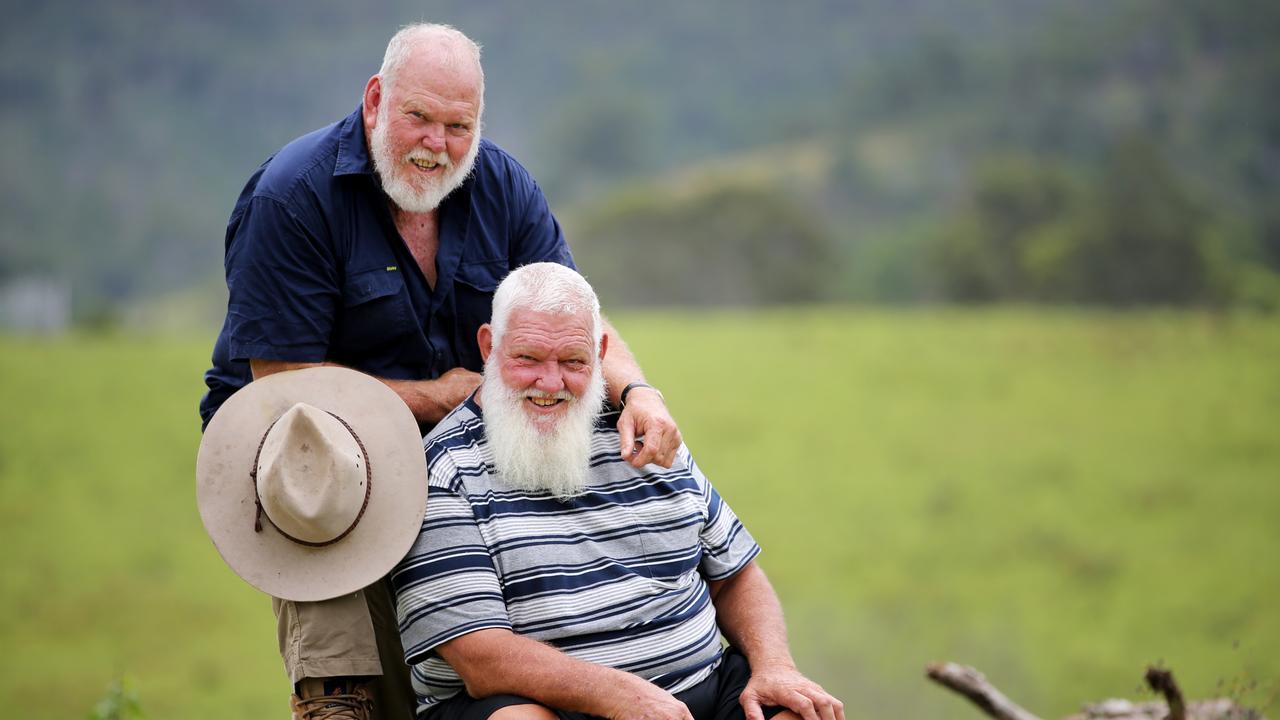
x: 353, y: 151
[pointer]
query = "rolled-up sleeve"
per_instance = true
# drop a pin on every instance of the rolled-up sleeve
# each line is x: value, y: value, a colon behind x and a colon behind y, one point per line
x: 283, y: 285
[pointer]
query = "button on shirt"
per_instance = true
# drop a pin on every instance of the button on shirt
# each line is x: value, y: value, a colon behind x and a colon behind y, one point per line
x: 316, y: 270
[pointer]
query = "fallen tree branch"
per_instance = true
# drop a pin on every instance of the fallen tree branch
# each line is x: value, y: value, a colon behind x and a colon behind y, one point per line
x: 1162, y: 682
x: 974, y: 686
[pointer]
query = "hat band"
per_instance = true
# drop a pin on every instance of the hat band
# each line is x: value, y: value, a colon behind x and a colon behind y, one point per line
x: 257, y: 500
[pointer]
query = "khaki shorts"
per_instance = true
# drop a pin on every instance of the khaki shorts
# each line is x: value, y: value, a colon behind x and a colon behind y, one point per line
x: 350, y: 636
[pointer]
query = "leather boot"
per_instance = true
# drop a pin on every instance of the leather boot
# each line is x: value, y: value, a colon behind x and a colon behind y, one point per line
x: 331, y: 699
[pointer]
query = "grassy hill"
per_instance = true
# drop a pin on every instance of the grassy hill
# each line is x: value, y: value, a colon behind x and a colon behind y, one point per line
x: 1055, y: 497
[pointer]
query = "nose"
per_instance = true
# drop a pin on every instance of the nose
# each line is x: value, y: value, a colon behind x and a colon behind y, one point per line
x: 433, y: 137
x: 549, y: 378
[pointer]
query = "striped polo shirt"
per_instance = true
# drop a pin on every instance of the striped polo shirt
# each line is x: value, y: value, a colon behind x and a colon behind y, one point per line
x: 615, y: 576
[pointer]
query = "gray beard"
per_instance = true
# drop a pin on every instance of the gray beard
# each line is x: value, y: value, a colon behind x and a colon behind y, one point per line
x: 391, y: 171
x: 557, y: 459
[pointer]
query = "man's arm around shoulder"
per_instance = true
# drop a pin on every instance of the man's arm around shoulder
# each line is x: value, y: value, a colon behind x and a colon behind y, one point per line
x: 750, y: 617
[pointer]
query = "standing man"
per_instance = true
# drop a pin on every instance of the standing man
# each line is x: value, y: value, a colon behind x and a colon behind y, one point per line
x: 377, y: 243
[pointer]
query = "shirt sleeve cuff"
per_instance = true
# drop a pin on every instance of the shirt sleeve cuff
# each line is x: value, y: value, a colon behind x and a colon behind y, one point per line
x: 420, y: 652
x: 291, y: 353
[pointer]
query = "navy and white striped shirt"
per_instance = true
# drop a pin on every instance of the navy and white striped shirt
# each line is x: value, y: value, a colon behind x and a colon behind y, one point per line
x: 615, y: 576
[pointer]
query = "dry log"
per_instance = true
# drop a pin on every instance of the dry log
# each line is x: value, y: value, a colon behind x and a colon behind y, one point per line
x: 1161, y: 681
x: 1115, y: 709
x: 1173, y: 708
x: 973, y: 685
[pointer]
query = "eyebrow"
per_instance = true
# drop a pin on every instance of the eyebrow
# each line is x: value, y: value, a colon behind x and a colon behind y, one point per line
x: 528, y: 348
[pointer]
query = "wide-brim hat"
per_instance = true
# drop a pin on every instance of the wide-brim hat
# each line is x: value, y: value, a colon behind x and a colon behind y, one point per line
x: 312, y: 483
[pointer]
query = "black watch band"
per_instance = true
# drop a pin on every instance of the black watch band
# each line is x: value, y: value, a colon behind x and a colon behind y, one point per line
x: 622, y: 399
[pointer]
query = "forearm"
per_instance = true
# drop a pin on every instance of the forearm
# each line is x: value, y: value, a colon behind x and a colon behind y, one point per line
x: 750, y: 617
x: 493, y: 662
x: 620, y: 366
x: 429, y: 400
x: 646, y: 413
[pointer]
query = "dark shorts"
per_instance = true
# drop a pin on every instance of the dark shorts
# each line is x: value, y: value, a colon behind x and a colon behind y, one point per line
x: 715, y: 698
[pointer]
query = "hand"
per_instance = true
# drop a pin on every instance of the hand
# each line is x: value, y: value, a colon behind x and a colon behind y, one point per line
x: 445, y: 393
x: 646, y: 415
x: 786, y: 687
x: 642, y: 700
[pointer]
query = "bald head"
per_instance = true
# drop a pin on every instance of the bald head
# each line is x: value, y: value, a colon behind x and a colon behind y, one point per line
x: 439, y: 50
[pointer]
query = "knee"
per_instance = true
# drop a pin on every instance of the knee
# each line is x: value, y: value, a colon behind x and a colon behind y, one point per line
x: 529, y: 711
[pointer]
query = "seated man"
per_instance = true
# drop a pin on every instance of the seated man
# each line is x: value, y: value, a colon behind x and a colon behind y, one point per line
x: 551, y: 578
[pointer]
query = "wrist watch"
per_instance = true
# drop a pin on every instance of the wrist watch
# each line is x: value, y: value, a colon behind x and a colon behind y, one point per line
x: 622, y: 399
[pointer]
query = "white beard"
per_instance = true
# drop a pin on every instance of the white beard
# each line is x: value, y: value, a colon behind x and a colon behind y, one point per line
x: 553, y: 459
x: 393, y: 171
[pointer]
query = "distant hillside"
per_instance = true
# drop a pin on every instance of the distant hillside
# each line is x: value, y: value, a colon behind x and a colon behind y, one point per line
x: 129, y: 127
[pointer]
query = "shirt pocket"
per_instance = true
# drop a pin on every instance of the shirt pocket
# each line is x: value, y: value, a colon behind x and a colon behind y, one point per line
x: 374, y: 315
x: 483, y: 275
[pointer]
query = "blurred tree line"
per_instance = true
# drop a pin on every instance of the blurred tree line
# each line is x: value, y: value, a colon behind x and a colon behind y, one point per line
x: 1154, y: 182
x: 1133, y: 235
x: 1114, y: 153
x: 1120, y: 154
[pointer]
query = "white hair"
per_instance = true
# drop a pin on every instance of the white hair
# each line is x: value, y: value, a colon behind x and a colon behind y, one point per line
x: 534, y: 457
x: 545, y: 287
x: 531, y: 455
x: 457, y: 46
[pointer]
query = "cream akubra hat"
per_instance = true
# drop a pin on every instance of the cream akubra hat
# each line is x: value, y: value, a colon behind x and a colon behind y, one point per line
x: 312, y: 483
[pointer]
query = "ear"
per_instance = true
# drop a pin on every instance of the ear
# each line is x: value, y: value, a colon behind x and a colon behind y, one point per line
x: 372, y: 99
x: 484, y: 336
x: 604, y: 346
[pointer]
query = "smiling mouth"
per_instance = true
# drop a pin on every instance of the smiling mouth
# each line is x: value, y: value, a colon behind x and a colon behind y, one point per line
x: 545, y: 402
x: 424, y: 164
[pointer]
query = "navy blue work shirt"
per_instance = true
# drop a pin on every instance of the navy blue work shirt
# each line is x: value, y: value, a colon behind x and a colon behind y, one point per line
x: 316, y: 270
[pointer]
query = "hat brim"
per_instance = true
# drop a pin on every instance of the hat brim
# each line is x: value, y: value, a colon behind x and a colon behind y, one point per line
x: 268, y: 560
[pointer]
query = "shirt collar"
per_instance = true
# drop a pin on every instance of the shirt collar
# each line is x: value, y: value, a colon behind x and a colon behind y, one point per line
x: 353, y: 151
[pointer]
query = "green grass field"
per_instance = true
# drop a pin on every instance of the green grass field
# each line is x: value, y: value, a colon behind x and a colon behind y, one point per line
x: 1058, y: 498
